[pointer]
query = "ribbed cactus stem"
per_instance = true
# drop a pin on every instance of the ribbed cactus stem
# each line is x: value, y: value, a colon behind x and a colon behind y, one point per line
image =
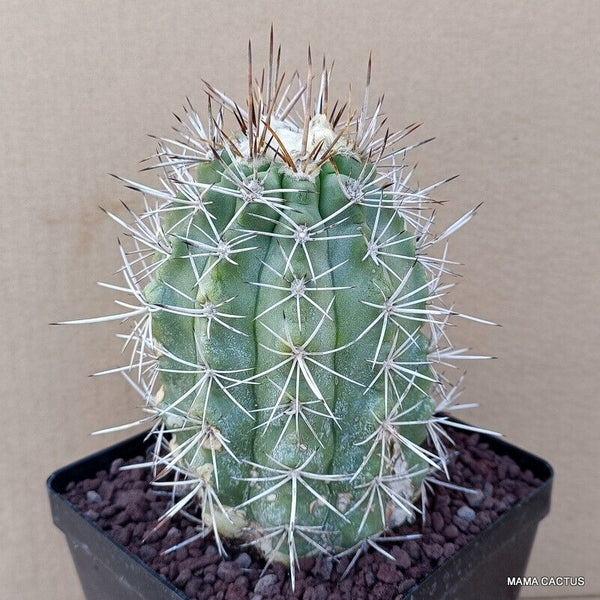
x: 289, y: 315
x: 289, y: 321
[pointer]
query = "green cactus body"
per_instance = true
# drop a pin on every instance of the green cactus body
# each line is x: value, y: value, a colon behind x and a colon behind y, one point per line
x: 288, y: 324
x: 272, y: 312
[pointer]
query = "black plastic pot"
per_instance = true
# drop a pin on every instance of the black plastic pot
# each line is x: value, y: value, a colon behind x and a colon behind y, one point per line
x: 477, y: 571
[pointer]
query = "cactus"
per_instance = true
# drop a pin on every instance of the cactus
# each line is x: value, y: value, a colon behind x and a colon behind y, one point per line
x: 289, y: 318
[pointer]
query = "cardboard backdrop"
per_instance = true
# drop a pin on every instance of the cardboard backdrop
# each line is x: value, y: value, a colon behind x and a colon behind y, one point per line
x: 510, y: 90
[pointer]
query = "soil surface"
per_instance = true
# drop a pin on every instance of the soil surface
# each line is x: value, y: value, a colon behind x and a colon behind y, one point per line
x: 123, y: 503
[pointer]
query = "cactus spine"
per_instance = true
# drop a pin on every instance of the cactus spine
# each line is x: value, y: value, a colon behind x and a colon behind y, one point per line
x: 289, y: 317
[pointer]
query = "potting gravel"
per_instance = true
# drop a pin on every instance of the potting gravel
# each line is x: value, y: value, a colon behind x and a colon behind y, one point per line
x: 125, y: 505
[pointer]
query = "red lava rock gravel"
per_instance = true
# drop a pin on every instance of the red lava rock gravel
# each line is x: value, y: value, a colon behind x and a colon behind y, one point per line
x: 123, y: 504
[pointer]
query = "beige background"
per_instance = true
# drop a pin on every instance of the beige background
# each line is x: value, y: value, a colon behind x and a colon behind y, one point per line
x: 511, y: 91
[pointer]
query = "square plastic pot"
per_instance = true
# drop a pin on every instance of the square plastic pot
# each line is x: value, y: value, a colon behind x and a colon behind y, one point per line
x: 477, y: 571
